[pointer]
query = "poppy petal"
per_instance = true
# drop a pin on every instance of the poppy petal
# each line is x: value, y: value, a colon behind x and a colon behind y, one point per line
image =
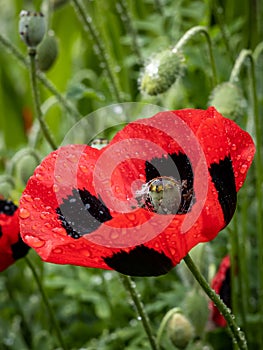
x: 11, y: 245
x: 222, y: 285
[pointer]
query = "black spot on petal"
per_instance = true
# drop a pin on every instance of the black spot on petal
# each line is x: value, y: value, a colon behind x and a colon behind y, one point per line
x: 82, y: 213
x: 172, y: 166
x: 223, y: 178
x: 140, y: 261
x: 1, y: 233
x: 19, y: 249
x: 7, y: 207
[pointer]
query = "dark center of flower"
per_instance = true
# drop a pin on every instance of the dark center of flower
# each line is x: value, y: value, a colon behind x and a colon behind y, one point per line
x: 169, y: 187
x: 161, y: 195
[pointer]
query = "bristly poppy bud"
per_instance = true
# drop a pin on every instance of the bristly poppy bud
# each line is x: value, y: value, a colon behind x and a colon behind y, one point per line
x: 180, y: 330
x: 25, y: 167
x: 32, y: 27
x: 196, y: 308
x: 161, y: 72
x: 228, y: 99
x: 47, y: 52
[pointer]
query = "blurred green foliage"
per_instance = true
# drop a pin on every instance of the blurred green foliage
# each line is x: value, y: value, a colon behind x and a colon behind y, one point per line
x: 92, y: 308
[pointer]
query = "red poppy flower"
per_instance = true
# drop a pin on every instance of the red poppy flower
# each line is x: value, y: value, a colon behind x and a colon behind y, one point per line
x: 222, y: 286
x: 161, y: 186
x: 11, y: 245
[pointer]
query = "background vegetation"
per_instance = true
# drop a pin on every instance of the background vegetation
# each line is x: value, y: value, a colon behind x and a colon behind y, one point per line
x: 97, y: 67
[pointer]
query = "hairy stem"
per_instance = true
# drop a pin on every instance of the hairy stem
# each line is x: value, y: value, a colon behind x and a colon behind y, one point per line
x: 35, y: 93
x: 47, y: 304
x: 237, y: 334
x: 89, y: 27
x: 188, y: 35
x: 130, y: 286
x: 41, y: 77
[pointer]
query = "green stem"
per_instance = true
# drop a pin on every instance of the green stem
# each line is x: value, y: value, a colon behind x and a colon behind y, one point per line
x: 44, y: 127
x: 244, y: 54
x: 47, y: 304
x: 237, y: 334
x: 89, y: 27
x: 163, y: 324
x: 130, y: 286
x: 41, y: 77
x: 258, y: 51
x: 218, y: 13
x: 126, y: 16
x: 188, y: 35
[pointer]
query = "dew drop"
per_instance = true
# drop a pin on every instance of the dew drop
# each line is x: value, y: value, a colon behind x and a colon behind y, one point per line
x: 57, y: 251
x: 243, y: 169
x: 55, y: 188
x: 34, y: 241
x: 24, y: 213
x: 249, y: 158
x: 83, y: 168
x: 234, y: 147
x: 39, y: 177
x: 28, y: 198
x: 44, y: 215
x: 85, y: 252
x: 59, y: 230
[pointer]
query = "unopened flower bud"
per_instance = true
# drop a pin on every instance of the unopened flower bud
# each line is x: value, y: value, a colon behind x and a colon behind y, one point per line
x: 161, y: 72
x: 25, y: 168
x: 6, y: 185
x: 32, y: 27
x: 47, y: 52
x: 228, y: 99
x: 180, y: 330
x: 195, y: 306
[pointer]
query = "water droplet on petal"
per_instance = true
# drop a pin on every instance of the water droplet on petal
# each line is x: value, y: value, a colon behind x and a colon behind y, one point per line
x: 28, y: 198
x: 55, y: 188
x: 34, y: 241
x: 59, y: 230
x: 84, y: 168
x: 57, y: 251
x: 39, y: 177
x: 243, y: 169
x: 24, y: 213
x: 234, y: 147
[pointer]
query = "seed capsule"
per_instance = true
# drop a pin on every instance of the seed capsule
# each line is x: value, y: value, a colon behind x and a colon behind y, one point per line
x: 161, y: 195
x: 32, y: 27
x: 47, y: 52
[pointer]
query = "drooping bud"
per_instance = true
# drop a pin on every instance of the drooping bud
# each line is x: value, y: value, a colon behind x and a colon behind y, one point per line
x: 32, y: 27
x: 180, y: 330
x: 47, y: 52
x: 228, y: 99
x: 161, y: 72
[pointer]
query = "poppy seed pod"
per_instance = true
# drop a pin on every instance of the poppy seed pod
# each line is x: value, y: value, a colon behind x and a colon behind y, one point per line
x: 180, y: 330
x: 47, y: 52
x: 161, y: 72
x: 32, y: 27
x: 228, y: 99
